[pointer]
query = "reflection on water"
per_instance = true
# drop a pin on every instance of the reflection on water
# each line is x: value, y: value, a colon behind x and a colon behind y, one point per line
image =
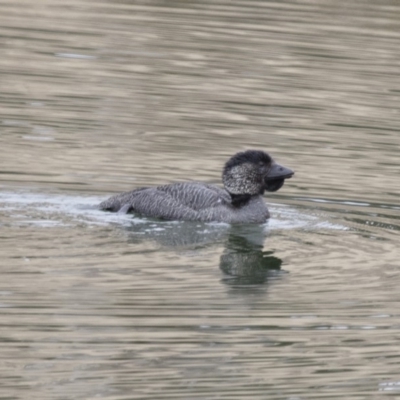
x: 102, y: 97
x: 244, y: 260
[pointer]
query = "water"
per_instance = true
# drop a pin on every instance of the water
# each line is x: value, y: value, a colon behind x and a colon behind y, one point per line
x: 101, y: 97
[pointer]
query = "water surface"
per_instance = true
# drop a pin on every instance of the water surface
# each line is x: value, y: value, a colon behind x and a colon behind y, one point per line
x: 101, y: 97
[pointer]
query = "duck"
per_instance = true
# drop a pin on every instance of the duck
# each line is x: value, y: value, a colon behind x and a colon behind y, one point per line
x: 245, y: 176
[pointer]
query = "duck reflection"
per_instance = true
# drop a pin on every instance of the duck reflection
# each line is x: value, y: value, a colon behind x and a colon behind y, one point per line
x: 243, y: 261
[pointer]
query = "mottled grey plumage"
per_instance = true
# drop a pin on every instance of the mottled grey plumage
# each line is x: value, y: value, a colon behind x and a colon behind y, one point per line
x: 246, y: 176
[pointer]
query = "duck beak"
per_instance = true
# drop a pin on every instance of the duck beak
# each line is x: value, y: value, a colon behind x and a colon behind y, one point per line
x: 276, y: 176
x: 278, y: 172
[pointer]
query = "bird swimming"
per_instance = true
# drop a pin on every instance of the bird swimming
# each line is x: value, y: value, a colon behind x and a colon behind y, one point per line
x: 246, y: 176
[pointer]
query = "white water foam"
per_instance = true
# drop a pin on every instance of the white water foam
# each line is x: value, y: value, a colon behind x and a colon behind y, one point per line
x: 287, y: 217
x: 48, y: 210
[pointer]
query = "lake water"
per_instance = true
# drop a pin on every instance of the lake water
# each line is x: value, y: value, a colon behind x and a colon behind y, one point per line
x: 100, y: 97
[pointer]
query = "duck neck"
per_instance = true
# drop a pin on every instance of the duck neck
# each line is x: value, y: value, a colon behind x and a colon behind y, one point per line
x: 240, y: 200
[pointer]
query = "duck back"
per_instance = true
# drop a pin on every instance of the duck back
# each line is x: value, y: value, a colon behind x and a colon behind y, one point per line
x: 182, y: 201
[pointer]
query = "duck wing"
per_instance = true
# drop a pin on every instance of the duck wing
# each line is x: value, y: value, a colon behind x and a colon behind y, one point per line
x: 196, y: 195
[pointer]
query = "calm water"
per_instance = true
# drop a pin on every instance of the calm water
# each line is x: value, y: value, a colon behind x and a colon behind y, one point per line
x: 98, y: 97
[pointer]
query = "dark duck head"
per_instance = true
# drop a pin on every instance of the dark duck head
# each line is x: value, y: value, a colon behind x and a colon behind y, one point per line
x: 251, y: 173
